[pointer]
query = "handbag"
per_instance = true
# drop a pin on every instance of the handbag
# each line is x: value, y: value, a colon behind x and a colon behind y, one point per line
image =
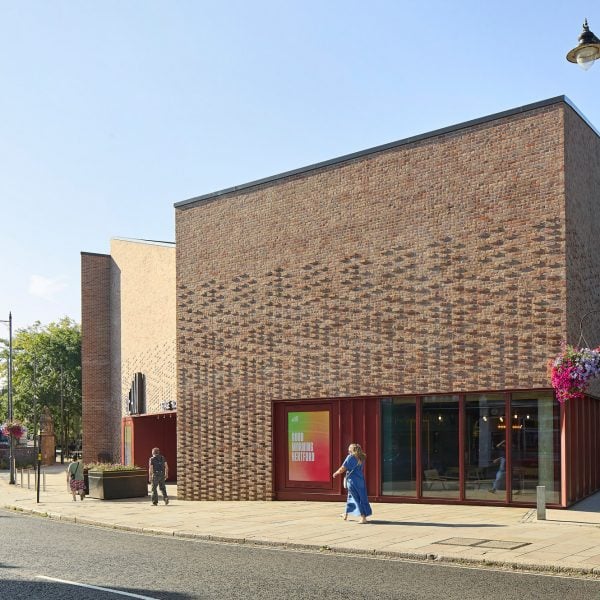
x: 345, y: 482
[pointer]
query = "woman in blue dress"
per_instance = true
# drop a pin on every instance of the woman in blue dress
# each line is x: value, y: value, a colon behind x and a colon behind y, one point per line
x: 358, y: 500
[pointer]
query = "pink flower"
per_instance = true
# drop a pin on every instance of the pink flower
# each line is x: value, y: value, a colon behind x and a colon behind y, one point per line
x: 13, y: 429
x: 572, y: 371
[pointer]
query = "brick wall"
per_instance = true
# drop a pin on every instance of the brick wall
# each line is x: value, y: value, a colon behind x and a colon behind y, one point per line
x: 433, y: 266
x: 582, y: 192
x: 128, y: 326
x: 99, y: 414
x: 143, y: 320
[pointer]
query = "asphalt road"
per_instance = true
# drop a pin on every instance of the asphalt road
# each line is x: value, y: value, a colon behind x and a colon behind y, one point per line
x: 47, y: 560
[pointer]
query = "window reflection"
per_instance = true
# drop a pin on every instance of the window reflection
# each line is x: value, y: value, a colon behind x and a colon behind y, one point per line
x: 535, y: 447
x: 439, y: 446
x: 534, y: 426
x: 485, y: 447
x: 398, y: 449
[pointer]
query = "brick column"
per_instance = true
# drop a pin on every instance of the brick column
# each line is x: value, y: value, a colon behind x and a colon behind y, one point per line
x: 98, y: 428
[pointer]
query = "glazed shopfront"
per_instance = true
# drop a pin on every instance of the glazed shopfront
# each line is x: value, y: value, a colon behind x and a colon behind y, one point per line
x: 484, y: 447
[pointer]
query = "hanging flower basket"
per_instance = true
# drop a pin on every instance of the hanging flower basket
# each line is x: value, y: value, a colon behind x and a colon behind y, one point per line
x: 13, y: 429
x: 572, y: 370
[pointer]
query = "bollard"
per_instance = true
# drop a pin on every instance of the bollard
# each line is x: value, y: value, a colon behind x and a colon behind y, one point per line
x: 541, y: 502
x: 21, y: 475
x: 44, y: 480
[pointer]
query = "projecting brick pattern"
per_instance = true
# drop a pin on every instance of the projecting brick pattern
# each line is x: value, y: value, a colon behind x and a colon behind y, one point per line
x: 433, y: 267
x: 158, y: 365
x: 582, y: 191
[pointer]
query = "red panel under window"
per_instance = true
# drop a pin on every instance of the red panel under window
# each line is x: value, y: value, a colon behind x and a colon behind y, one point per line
x: 153, y: 430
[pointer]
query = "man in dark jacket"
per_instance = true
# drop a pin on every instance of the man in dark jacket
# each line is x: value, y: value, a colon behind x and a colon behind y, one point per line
x: 158, y: 471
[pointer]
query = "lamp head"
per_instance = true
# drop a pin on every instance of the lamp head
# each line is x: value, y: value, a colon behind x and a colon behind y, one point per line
x: 588, y: 49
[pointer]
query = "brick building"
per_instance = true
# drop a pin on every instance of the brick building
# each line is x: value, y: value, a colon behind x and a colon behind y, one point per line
x: 407, y: 297
x: 128, y: 352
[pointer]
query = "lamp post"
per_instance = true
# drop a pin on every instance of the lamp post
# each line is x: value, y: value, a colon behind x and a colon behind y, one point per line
x: 39, y: 463
x: 11, y: 459
x: 587, y: 51
x: 37, y: 432
x: 62, y: 419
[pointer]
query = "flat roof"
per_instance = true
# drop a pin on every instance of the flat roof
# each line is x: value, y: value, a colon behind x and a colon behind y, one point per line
x: 362, y: 153
x: 140, y: 241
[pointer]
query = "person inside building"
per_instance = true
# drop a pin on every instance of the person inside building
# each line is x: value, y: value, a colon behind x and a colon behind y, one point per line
x: 354, y: 480
x: 158, y: 471
x: 500, y: 481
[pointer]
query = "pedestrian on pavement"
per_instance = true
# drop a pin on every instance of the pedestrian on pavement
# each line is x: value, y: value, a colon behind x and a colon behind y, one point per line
x: 158, y: 471
x: 76, y: 480
x: 354, y: 480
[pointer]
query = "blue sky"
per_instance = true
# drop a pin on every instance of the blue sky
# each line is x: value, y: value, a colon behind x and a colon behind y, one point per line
x: 112, y: 111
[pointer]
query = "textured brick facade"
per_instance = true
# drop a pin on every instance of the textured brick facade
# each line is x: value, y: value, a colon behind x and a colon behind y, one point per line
x: 437, y: 265
x: 98, y: 413
x: 582, y: 212
x: 128, y: 326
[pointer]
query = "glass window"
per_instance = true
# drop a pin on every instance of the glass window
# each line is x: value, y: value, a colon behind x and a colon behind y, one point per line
x: 485, y: 447
x: 398, y: 447
x: 127, y: 444
x: 439, y: 446
x: 535, y: 447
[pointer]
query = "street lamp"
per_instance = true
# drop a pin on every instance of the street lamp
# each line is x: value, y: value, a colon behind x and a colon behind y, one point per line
x: 37, y: 432
x: 62, y: 418
x: 587, y: 51
x: 11, y: 459
x: 39, y: 463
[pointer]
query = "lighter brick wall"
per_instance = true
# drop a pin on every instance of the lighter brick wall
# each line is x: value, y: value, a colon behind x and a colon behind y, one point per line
x: 432, y: 267
x: 128, y: 325
x: 143, y: 320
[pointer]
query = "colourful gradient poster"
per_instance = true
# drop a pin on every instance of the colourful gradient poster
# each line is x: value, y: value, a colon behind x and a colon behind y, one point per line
x: 308, y: 446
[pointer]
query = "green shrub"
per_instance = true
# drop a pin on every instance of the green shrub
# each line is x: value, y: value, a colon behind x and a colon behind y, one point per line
x: 111, y: 467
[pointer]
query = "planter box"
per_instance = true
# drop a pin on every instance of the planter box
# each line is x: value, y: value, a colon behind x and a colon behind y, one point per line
x: 111, y: 485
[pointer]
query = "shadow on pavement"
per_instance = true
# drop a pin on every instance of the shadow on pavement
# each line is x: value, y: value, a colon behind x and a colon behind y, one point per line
x: 21, y: 589
x: 589, y: 504
x: 425, y: 524
x: 582, y: 522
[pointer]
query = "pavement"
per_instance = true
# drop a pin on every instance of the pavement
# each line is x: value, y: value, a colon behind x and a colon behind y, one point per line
x: 567, y: 542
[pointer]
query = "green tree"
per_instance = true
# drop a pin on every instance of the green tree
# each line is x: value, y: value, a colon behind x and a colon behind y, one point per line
x: 46, y: 366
